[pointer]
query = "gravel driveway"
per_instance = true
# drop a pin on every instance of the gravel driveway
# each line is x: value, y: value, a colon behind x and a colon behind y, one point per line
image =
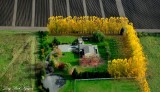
x: 53, y: 83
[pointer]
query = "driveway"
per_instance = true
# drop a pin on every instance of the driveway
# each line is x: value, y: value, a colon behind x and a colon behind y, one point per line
x: 53, y: 82
x: 67, y: 48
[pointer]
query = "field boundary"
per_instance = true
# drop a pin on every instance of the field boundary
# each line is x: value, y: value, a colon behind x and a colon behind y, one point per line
x: 14, y: 13
x: 36, y: 29
x: 108, y: 78
x: 10, y: 28
x: 33, y: 60
x: 120, y: 8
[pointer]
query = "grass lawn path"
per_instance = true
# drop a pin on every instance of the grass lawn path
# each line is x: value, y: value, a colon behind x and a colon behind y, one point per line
x: 151, y: 46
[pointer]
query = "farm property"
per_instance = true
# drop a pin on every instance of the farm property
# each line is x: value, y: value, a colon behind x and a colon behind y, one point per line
x: 79, y: 45
x: 132, y: 64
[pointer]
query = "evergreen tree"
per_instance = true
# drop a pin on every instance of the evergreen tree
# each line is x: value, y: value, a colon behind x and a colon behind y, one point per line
x: 75, y: 73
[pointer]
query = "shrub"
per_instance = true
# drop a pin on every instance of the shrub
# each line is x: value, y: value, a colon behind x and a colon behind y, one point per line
x: 98, y: 36
x: 55, y: 41
x: 75, y: 73
x: 57, y: 52
x: 86, y: 75
x: 61, y: 66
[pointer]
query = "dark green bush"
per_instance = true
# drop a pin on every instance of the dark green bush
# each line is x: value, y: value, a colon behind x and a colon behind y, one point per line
x: 98, y: 36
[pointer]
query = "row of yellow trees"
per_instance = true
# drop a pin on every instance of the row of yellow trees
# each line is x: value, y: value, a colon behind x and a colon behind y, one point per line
x: 85, y: 25
x: 135, y: 66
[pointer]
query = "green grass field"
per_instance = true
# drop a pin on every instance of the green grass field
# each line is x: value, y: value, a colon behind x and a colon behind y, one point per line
x: 9, y: 45
x: 16, y: 59
x: 151, y: 46
x: 101, y: 86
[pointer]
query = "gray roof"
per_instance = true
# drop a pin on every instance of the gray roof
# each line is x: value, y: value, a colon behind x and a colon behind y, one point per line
x: 89, y: 49
x: 81, y: 46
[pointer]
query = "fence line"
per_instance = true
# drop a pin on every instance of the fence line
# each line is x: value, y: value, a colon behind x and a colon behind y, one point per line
x: 107, y: 78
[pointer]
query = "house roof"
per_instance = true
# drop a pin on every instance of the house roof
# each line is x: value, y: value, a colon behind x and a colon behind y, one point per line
x: 88, y: 48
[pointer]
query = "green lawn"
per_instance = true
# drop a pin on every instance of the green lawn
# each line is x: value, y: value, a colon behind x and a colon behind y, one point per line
x: 62, y: 39
x: 100, y: 86
x: 151, y: 46
x: 69, y: 57
x: 107, y: 86
x: 68, y: 87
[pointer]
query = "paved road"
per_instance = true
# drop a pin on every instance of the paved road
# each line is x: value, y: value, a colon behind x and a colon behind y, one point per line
x: 2, y: 28
x: 23, y: 28
x: 149, y: 30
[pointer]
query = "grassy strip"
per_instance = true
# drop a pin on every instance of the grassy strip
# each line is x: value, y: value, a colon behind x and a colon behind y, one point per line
x: 101, y: 86
x: 107, y: 86
x: 151, y: 46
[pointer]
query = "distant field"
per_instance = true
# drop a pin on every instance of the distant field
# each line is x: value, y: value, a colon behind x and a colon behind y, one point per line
x: 101, y: 86
x: 151, y: 46
x: 16, y: 60
x: 143, y: 13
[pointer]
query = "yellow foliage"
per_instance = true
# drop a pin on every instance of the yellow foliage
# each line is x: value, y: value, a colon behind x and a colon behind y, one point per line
x: 85, y: 24
x: 135, y: 66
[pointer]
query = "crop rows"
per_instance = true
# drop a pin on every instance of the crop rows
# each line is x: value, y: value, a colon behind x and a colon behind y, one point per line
x: 143, y: 13
x: 41, y: 12
x: 24, y: 13
x: 76, y: 8
x: 6, y: 12
x: 59, y: 8
x: 93, y: 8
x: 110, y: 8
